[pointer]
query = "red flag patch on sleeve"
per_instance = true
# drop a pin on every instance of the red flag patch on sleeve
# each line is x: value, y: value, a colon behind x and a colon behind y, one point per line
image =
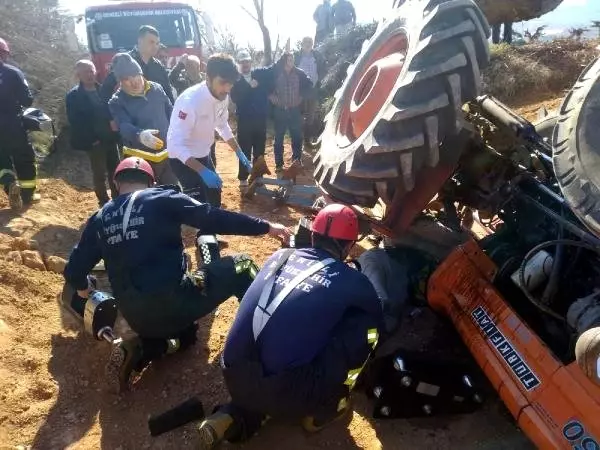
x: 182, y: 115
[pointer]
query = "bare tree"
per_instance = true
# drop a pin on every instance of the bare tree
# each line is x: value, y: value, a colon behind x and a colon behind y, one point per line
x: 596, y: 24
x: 536, y: 35
x: 259, y: 17
x: 226, y: 42
x: 577, y: 33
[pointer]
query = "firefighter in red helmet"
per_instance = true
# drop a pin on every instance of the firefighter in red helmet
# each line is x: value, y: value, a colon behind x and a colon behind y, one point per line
x: 302, y: 334
x: 138, y: 235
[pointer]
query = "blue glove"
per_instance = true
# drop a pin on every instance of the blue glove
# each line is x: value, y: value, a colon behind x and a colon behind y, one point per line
x: 210, y: 178
x: 243, y: 159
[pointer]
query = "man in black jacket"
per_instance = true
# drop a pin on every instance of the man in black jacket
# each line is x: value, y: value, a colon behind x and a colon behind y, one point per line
x: 145, y: 55
x: 251, y: 97
x: 90, y: 129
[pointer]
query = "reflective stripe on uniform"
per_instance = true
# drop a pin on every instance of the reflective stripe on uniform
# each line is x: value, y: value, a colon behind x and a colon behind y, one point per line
x: 148, y: 156
x: 4, y: 172
x: 262, y: 312
x: 352, y: 377
x: 28, y: 184
x: 372, y: 336
x: 246, y: 265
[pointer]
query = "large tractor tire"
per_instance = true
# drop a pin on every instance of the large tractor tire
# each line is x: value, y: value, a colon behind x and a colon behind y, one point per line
x: 576, y: 148
x: 401, y: 100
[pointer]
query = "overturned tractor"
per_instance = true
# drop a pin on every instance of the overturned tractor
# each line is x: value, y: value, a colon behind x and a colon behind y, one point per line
x: 415, y: 147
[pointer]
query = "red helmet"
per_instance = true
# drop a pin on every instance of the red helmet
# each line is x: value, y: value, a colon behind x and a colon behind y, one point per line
x: 336, y: 221
x: 135, y: 163
x: 4, y: 46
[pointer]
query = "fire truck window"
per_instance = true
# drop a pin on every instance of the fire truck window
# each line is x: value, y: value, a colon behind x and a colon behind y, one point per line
x: 118, y: 31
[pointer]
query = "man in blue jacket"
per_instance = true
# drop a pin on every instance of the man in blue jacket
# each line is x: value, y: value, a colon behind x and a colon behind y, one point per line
x: 142, y: 111
x: 89, y: 119
x: 302, y: 334
x: 251, y: 97
x: 138, y: 235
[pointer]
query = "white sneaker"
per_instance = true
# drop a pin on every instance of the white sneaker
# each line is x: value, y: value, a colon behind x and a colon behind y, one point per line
x: 243, y: 183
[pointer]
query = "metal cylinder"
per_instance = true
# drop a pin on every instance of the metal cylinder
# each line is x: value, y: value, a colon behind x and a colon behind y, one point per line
x: 537, y: 271
x: 399, y: 364
x: 100, y: 313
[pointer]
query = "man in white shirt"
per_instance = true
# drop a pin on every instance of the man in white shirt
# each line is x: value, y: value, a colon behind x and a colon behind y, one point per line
x: 197, y: 113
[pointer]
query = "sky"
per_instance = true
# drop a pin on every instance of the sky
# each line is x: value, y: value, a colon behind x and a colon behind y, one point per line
x: 293, y: 18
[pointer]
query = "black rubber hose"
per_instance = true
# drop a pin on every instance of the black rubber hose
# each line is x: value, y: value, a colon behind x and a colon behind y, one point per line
x: 552, y: 286
x: 531, y: 253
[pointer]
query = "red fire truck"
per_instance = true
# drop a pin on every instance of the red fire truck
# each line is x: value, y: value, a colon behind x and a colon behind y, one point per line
x: 113, y: 27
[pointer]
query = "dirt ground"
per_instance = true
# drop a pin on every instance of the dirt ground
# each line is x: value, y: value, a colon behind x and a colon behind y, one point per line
x: 52, y: 394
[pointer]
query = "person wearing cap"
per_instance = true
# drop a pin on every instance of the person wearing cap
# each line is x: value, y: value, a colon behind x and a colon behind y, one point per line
x: 197, y: 113
x: 17, y: 156
x: 138, y: 235
x: 303, y: 331
x: 251, y: 97
x: 145, y: 53
x: 141, y: 110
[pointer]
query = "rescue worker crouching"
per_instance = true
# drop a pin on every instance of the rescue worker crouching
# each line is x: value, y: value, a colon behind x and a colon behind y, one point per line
x: 141, y: 110
x: 17, y: 156
x: 302, y: 334
x: 138, y: 234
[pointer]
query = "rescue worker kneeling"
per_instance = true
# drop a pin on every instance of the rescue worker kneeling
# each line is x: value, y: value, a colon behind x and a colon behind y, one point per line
x: 303, y: 332
x: 138, y: 234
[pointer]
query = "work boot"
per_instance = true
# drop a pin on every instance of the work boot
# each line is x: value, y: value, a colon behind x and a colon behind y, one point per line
x: 316, y: 423
x: 212, y: 430
x: 14, y: 196
x: 123, y: 367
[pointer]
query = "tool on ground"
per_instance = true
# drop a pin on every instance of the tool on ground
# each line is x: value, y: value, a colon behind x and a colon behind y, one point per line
x: 285, y: 190
x: 97, y: 314
x: 189, y: 411
x: 405, y: 386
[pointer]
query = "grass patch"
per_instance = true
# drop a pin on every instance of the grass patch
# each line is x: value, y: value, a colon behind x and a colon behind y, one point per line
x: 536, y: 70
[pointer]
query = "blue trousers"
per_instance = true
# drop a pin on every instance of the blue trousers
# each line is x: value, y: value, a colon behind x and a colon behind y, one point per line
x: 288, y: 119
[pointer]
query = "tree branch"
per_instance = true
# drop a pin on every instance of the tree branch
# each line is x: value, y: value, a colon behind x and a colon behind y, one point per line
x: 249, y: 13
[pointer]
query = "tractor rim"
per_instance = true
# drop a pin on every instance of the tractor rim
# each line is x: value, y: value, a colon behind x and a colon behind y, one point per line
x: 371, y: 87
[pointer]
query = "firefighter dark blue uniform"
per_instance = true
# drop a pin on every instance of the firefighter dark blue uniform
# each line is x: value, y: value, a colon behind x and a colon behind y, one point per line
x: 17, y: 157
x: 138, y: 234
x: 302, y: 334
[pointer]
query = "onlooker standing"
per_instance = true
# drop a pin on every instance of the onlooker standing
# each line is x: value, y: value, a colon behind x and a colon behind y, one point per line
x: 323, y: 16
x: 163, y: 55
x: 251, y: 97
x: 90, y: 129
x: 142, y: 110
x: 17, y: 157
x: 186, y: 73
x: 145, y: 55
x: 291, y: 86
x: 344, y: 17
x: 313, y: 64
x: 197, y: 113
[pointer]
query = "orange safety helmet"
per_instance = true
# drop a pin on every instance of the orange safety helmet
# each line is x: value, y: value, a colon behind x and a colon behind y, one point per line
x: 4, y: 46
x: 135, y: 163
x: 336, y: 221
